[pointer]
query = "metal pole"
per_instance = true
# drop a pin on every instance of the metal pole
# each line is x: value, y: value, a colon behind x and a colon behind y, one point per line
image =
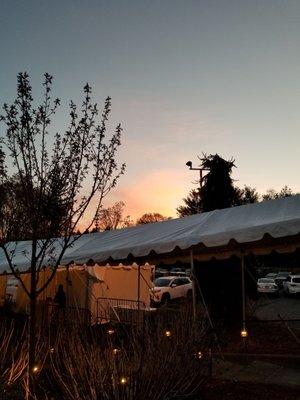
x: 200, y: 190
x: 67, y: 285
x: 139, y: 286
x: 201, y: 179
x: 193, y: 284
x: 243, y: 290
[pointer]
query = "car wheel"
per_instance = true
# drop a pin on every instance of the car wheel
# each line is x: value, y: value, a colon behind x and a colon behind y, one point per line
x: 165, y: 298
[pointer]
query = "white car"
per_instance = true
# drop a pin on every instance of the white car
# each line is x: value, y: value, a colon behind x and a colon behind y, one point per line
x: 171, y: 287
x: 271, y: 275
x: 292, y: 284
x: 267, y: 285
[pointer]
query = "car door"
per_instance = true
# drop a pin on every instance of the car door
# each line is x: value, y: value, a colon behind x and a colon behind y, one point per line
x: 186, y: 285
x: 176, y: 288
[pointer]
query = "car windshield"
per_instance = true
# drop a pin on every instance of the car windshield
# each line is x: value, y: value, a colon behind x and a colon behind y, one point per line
x: 161, y: 282
x: 266, y: 280
x: 283, y: 274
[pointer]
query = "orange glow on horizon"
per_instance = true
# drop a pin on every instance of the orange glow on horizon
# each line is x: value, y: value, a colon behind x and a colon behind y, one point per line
x: 160, y: 191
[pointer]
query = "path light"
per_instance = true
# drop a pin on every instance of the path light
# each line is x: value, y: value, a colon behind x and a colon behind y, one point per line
x: 116, y: 351
x: 110, y: 331
x: 199, y: 355
x: 35, y: 369
x: 123, y: 380
x: 168, y: 333
x: 52, y: 350
x: 244, y: 333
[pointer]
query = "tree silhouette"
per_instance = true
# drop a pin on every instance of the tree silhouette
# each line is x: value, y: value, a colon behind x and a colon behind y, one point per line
x: 112, y: 217
x: 192, y: 204
x: 271, y: 194
x: 55, y: 178
x: 148, y: 218
x: 247, y: 195
x: 218, y: 190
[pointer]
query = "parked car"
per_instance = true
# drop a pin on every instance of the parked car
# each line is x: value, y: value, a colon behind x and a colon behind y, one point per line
x: 170, y: 287
x: 267, y: 285
x: 292, y: 285
x: 161, y: 272
x: 177, y: 271
x: 281, y: 278
x: 271, y: 275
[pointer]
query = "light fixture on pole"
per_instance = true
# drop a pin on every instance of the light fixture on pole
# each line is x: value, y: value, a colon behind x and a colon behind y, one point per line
x: 190, y: 165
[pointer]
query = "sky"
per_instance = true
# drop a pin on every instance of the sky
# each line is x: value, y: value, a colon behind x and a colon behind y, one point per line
x: 185, y: 77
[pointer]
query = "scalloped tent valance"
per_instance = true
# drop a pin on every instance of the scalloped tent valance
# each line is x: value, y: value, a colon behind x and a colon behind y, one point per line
x: 273, y: 224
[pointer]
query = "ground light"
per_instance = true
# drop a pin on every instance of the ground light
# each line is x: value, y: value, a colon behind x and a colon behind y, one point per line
x: 110, y: 331
x: 123, y: 380
x: 168, y: 333
x: 199, y: 355
x: 116, y: 351
x: 35, y: 369
x: 244, y: 333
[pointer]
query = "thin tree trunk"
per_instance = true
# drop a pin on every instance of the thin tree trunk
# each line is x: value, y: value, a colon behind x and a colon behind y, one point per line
x: 32, y: 333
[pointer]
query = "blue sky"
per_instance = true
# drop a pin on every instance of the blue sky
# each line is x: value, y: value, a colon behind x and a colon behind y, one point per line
x: 185, y: 77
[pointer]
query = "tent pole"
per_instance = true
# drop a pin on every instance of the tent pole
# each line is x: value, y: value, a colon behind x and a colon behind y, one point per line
x: 67, y: 285
x: 243, y: 289
x: 139, y: 286
x: 193, y: 283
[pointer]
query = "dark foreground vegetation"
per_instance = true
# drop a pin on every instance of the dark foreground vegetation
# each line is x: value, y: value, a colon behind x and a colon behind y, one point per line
x: 161, y: 359
x: 166, y: 357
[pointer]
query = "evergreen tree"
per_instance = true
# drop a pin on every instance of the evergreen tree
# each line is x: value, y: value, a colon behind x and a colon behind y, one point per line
x: 247, y: 195
x: 218, y: 190
x: 192, y: 204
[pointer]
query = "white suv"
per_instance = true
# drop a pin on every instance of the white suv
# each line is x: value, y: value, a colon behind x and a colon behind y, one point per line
x: 171, y: 287
x: 292, y: 284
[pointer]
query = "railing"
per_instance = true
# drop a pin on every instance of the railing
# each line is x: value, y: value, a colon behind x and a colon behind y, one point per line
x: 120, y: 310
x: 55, y: 315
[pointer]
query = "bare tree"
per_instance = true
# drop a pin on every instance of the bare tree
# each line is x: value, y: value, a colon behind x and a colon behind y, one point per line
x: 112, y: 217
x: 70, y: 168
x: 271, y: 194
x: 148, y: 218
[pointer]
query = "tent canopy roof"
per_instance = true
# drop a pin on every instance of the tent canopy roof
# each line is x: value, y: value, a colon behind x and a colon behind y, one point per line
x: 244, y: 224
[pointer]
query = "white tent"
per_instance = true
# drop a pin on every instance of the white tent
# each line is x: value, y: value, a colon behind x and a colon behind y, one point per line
x: 243, y: 225
x: 100, y: 289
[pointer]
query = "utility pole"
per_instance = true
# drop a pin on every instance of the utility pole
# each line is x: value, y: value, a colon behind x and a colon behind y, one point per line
x: 190, y: 165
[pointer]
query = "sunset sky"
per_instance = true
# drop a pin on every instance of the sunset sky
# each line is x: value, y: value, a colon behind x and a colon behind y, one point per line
x: 185, y: 77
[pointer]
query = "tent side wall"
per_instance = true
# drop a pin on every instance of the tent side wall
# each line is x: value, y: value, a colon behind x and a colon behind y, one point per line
x: 120, y: 283
x: 123, y: 281
x: 3, y: 285
x: 74, y: 283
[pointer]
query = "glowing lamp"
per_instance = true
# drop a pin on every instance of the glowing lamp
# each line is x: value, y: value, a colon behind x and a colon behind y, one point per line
x: 123, y: 380
x: 199, y: 355
x: 168, y: 333
x: 35, y: 369
x: 115, y: 351
x: 110, y: 331
x: 244, y: 333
